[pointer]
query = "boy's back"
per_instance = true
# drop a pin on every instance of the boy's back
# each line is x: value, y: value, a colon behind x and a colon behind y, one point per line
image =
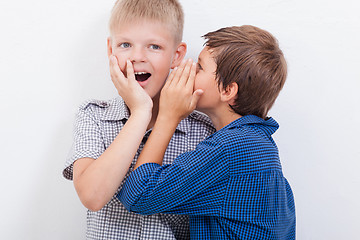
x: 256, y: 191
x: 232, y: 178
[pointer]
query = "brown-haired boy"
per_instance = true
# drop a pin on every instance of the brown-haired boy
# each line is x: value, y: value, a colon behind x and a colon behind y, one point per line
x: 144, y: 44
x: 231, y: 185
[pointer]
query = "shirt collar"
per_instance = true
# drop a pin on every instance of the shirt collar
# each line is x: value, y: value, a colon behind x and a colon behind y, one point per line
x: 183, y: 126
x: 117, y: 111
x: 269, y: 123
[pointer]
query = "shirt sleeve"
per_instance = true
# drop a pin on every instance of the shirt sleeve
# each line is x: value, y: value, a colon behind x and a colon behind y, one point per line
x: 88, y: 140
x: 190, y: 185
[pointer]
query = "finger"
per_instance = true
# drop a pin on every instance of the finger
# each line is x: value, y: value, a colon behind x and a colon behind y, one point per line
x: 112, y: 64
x: 195, y: 98
x: 114, y: 68
x: 179, y: 72
x: 170, y: 78
x: 186, y: 73
x: 130, y: 71
x: 115, y: 72
x: 191, y: 79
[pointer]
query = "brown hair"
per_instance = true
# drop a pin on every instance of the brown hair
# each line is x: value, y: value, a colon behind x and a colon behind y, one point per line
x: 168, y: 12
x: 250, y: 57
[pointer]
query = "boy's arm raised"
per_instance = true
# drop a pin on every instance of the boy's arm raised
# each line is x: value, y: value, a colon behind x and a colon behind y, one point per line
x: 96, y: 181
x: 177, y: 101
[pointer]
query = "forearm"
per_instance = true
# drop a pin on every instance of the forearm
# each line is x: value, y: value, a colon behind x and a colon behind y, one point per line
x: 97, y: 182
x: 158, y: 141
x: 183, y: 187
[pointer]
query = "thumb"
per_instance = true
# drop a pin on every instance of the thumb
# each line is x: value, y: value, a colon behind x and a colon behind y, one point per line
x: 195, y: 98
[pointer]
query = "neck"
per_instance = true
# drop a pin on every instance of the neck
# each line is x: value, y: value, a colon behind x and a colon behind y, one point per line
x: 155, y: 111
x: 222, y: 118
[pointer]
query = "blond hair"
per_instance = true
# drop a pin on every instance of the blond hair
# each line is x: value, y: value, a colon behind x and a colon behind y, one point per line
x: 168, y: 12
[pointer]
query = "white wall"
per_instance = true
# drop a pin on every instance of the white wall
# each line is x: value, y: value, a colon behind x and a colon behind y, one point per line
x: 53, y: 57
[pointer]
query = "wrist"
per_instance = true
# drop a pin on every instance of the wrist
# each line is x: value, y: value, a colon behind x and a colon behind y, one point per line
x: 143, y: 114
x: 164, y: 119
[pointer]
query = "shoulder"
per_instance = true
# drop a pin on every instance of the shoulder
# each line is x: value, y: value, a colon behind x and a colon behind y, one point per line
x: 93, y: 108
x: 113, y: 109
x: 94, y: 103
x: 246, y: 129
x: 234, y: 140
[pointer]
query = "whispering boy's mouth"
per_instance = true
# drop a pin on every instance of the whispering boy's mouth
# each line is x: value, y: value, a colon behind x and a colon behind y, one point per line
x: 142, y: 76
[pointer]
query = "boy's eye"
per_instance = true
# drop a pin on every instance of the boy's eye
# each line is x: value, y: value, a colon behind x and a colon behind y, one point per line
x: 198, y: 67
x: 125, y: 45
x: 155, y: 47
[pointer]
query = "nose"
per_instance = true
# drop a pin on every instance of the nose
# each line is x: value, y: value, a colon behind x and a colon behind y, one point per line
x: 138, y: 55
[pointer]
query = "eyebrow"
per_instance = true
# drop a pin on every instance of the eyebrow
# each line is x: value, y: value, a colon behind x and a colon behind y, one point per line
x: 153, y: 40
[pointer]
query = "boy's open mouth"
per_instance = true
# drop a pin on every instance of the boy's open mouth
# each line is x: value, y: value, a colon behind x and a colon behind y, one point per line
x: 142, y: 76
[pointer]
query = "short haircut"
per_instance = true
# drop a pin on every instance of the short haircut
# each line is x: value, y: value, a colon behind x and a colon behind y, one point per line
x: 250, y: 57
x: 168, y: 12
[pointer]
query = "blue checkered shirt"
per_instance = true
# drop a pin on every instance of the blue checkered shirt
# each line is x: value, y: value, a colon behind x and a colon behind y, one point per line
x: 231, y: 185
x: 96, y: 126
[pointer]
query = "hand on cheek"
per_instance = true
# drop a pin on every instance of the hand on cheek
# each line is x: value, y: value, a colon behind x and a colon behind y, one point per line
x: 128, y: 88
x: 178, y: 98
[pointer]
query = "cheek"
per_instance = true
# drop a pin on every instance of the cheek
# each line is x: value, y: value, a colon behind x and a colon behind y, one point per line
x: 162, y: 61
x: 162, y: 69
x: 197, y: 83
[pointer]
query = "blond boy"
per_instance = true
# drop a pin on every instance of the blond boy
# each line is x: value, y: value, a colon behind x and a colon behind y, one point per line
x: 144, y: 44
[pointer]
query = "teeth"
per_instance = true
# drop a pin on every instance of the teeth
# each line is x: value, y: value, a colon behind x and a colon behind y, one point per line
x: 140, y: 73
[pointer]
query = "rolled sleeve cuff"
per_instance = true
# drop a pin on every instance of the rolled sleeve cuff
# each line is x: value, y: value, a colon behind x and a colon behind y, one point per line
x: 135, y: 184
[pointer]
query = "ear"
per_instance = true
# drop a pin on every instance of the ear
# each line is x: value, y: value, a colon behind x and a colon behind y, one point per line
x: 229, y: 94
x: 109, y: 46
x: 179, y: 54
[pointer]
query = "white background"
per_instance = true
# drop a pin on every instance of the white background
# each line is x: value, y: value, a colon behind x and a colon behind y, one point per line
x: 53, y: 57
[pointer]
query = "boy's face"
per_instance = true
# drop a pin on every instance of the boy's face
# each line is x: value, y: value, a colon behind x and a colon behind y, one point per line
x: 206, y: 80
x: 152, y: 50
